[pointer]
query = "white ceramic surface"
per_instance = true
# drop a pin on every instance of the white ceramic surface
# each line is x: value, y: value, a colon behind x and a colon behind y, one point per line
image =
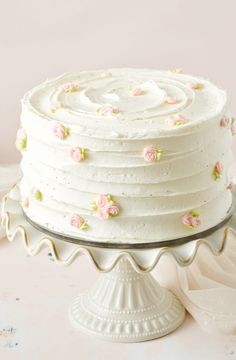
x: 123, y: 306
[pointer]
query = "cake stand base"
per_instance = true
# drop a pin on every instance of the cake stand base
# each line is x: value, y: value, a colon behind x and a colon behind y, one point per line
x: 125, y: 306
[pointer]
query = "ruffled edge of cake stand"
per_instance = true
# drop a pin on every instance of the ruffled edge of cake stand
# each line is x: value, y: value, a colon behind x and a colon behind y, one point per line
x: 104, y: 259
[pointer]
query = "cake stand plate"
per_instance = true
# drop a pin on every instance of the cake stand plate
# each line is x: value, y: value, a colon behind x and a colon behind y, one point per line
x: 126, y: 304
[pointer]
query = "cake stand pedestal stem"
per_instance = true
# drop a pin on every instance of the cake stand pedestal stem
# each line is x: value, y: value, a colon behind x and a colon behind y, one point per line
x: 126, y: 306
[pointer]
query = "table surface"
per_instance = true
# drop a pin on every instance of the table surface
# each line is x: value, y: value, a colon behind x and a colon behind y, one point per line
x: 35, y: 294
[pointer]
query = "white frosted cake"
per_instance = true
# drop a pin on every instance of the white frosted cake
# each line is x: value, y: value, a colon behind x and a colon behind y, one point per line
x: 126, y: 155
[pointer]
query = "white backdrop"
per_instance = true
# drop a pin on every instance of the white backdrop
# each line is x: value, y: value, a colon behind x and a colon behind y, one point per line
x: 41, y: 39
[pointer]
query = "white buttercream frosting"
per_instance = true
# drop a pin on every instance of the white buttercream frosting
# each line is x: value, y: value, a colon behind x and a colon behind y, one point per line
x: 113, y: 116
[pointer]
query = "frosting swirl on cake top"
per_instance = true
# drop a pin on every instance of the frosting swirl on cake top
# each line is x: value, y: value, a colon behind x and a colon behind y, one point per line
x: 128, y: 103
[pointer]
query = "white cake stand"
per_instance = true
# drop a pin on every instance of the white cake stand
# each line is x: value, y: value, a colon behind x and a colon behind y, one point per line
x: 126, y: 304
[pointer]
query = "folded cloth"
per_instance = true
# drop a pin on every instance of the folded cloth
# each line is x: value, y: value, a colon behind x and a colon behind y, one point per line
x: 207, y: 287
x: 9, y: 175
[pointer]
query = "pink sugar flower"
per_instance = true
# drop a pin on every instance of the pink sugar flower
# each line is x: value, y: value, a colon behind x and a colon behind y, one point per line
x: 151, y: 154
x: 102, y: 200
x: 25, y: 202
x: 107, y: 110
x: 60, y: 131
x: 103, y: 213
x: 77, y: 154
x: 136, y: 91
x: 194, y: 85
x: 176, y: 120
x: 21, y: 139
x: 113, y: 210
x: 217, y: 170
x: 230, y: 186
x: 78, y: 222
x: 105, y: 207
x: 224, y: 121
x: 191, y: 219
x: 70, y: 87
x: 177, y: 71
x: 55, y: 105
x: 171, y: 100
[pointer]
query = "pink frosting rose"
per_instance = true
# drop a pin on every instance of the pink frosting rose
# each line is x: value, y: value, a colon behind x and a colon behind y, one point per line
x: 103, y: 213
x: 219, y: 167
x: 60, y: 131
x: 177, y: 70
x: 25, y: 202
x: 77, y: 154
x: 107, y: 110
x: 230, y: 186
x: 194, y: 85
x: 56, y: 105
x: 105, y: 207
x: 150, y: 153
x: 78, y: 222
x: 224, y: 121
x: 191, y: 219
x: 176, y: 120
x: 171, y: 100
x: 70, y: 87
x: 113, y: 209
x: 102, y: 201
x: 136, y: 91
x: 218, y: 170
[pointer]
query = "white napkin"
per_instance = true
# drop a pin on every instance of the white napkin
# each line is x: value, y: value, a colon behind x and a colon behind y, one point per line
x: 207, y: 287
x: 9, y: 175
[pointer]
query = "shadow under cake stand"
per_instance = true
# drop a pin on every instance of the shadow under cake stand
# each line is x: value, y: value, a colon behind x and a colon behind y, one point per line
x: 126, y: 304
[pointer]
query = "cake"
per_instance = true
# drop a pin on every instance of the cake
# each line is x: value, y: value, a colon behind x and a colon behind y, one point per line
x: 126, y: 155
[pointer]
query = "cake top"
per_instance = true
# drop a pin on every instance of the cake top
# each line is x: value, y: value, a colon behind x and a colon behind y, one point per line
x: 127, y: 103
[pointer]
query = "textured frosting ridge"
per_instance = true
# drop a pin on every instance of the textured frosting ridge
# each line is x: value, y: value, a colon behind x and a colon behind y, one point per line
x: 147, y: 151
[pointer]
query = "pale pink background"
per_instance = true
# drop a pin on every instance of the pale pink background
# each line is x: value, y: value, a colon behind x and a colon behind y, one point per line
x: 41, y: 39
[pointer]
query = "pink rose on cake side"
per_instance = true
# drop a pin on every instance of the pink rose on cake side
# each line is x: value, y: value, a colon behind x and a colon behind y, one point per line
x: 60, y: 131
x: 151, y: 153
x: 77, y: 154
x: 21, y: 139
x: 70, y: 87
x: 25, y: 202
x: 230, y: 185
x: 176, y: 120
x: 55, y: 105
x: 78, y: 222
x: 224, y: 121
x: 217, y: 170
x: 191, y: 219
x: 194, y: 85
x: 105, y: 207
x: 171, y: 100
x: 136, y: 91
x: 107, y: 110
x: 177, y: 71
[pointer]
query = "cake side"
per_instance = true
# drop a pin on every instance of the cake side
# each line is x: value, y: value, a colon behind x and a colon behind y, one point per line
x: 126, y: 155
